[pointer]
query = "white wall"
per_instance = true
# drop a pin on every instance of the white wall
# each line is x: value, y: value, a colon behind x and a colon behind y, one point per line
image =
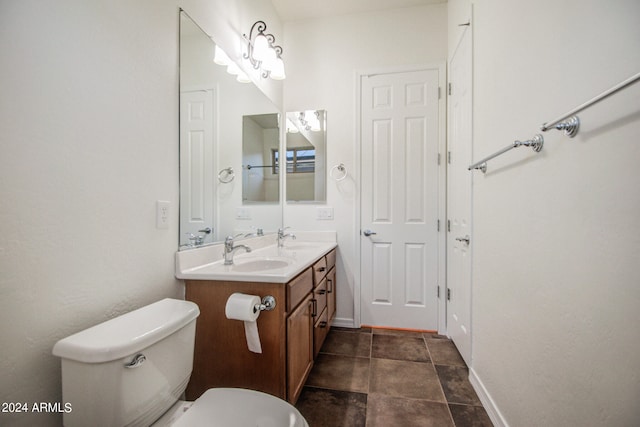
x: 89, y: 142
x: 556, y: 301
x: 322, y: 57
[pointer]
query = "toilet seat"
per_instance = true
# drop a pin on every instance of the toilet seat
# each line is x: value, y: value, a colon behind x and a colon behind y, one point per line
x: 235, y: 407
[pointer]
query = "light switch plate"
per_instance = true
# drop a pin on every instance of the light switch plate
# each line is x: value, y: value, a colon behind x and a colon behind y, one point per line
x: 163, y: 213
x: 324, y: 213
x: 243, y: 213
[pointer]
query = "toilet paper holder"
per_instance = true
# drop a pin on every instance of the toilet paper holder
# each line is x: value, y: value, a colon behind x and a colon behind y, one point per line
x: 268, y: 304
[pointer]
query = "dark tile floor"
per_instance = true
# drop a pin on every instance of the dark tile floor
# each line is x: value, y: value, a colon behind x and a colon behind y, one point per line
x: 384, y: 378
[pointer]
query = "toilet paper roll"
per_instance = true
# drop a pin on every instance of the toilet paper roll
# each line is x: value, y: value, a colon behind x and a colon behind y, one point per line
x: 243, y: 307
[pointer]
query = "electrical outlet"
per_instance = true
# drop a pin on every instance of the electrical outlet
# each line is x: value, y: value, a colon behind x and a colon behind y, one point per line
x: 324, y: 213
x: 163, y: 212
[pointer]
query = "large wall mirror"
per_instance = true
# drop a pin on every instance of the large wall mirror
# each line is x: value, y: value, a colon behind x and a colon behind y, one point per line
x: 218, y: 113
x: 305, y: 159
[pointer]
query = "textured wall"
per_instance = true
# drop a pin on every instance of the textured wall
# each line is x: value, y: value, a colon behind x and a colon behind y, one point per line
x: 556, y: 243
x: 89, y: 142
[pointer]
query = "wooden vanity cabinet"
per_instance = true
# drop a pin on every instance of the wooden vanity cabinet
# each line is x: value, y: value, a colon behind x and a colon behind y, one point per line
x: 300, y: 351
x: 291, y: 334
x: 221, y: 356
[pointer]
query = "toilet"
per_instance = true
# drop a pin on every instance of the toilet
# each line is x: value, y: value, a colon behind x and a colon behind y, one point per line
x: 133, y: 369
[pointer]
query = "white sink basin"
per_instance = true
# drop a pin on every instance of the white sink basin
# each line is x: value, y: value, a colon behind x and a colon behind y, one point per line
x: 266, y: 263
x: 257, y: 265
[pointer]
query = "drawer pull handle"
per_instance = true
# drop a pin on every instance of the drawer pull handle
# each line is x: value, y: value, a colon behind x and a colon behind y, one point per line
x: 321, y: 269
x: 322, y: 291
x: 323, y: 324
x: 330, y: 285
x: 314, y: 311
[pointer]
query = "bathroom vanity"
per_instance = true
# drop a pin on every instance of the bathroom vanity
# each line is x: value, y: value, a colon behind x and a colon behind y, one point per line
x: 290, y: 335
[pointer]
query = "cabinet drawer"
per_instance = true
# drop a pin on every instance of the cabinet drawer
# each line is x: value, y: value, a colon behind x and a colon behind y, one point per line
x: 331, y: 259
x: 320, y: 331
x: 320, y: 297
x: 319, y: 270
x: 298, y: 288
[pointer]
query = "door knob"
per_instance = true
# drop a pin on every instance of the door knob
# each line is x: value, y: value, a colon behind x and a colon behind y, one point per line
x: 465, y: 239
x: 368, y: 233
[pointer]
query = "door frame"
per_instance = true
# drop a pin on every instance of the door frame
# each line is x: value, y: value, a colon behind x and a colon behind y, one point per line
x: 441, y: 66
x: 468, y: 32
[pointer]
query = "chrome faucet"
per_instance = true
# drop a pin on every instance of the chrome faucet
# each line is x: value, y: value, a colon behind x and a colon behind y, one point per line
x: 195, y: 240
x: 230, y: 249
x: 282, y: 236
x: 259, y: 232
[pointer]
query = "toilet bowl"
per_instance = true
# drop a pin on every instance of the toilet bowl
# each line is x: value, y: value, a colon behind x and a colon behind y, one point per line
x: 237, y: 407
x: 132, y: 370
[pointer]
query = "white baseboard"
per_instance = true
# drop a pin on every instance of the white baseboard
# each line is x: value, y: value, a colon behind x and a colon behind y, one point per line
x: 489, y: 405
x: 343, y: 323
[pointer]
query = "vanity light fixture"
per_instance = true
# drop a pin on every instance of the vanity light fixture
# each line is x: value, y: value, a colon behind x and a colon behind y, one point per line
x: 221, y: 58
x: 310, y: 120
x: 263, y: 54
x: 291, y: 128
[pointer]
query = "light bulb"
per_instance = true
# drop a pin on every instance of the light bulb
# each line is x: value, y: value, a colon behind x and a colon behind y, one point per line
x: 291, y: 128
x: 260, y: 47
x: 269, y: 60
x: 233, y: 69
x: 242, y: 77
x: 220, y: 57
x: 277, y: 72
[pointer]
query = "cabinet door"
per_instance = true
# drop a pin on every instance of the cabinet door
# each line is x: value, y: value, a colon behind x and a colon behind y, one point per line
x: 331, y: 294
x: 299, y: 347
x: 320, y: 331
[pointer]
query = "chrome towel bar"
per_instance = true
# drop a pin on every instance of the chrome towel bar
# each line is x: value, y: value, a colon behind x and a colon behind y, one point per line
x: 568, y: 122
x: 570, y: 127
x: 535, y: 143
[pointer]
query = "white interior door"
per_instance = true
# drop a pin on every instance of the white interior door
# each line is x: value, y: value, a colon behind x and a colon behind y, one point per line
x: 459, y: 199
x: 399, y: 199
x: 196, y: 165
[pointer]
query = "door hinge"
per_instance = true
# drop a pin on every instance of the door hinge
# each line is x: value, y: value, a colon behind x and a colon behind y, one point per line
x: 449, y: 157
x: 449, y: 225
x: 438, y: 225
x: 438, y: 290
x: 439, y: 95
x: 449, y: 88
x: 439, y: 156
x: 448, y: 294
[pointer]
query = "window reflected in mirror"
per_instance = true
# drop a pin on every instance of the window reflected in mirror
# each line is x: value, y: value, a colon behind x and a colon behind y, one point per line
x: 305, y: 156
x: 260, y: 140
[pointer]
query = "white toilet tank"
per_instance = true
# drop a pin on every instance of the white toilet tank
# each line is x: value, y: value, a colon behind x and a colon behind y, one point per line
x: 102, y: 382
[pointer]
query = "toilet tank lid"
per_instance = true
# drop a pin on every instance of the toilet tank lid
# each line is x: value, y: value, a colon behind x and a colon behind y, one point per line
x: 128, y: 333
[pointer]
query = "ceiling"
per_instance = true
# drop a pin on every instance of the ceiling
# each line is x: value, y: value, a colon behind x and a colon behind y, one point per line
x: 292, y: 10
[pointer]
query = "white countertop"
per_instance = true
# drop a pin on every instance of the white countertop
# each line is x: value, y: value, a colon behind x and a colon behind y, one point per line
x: 207, y: 263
